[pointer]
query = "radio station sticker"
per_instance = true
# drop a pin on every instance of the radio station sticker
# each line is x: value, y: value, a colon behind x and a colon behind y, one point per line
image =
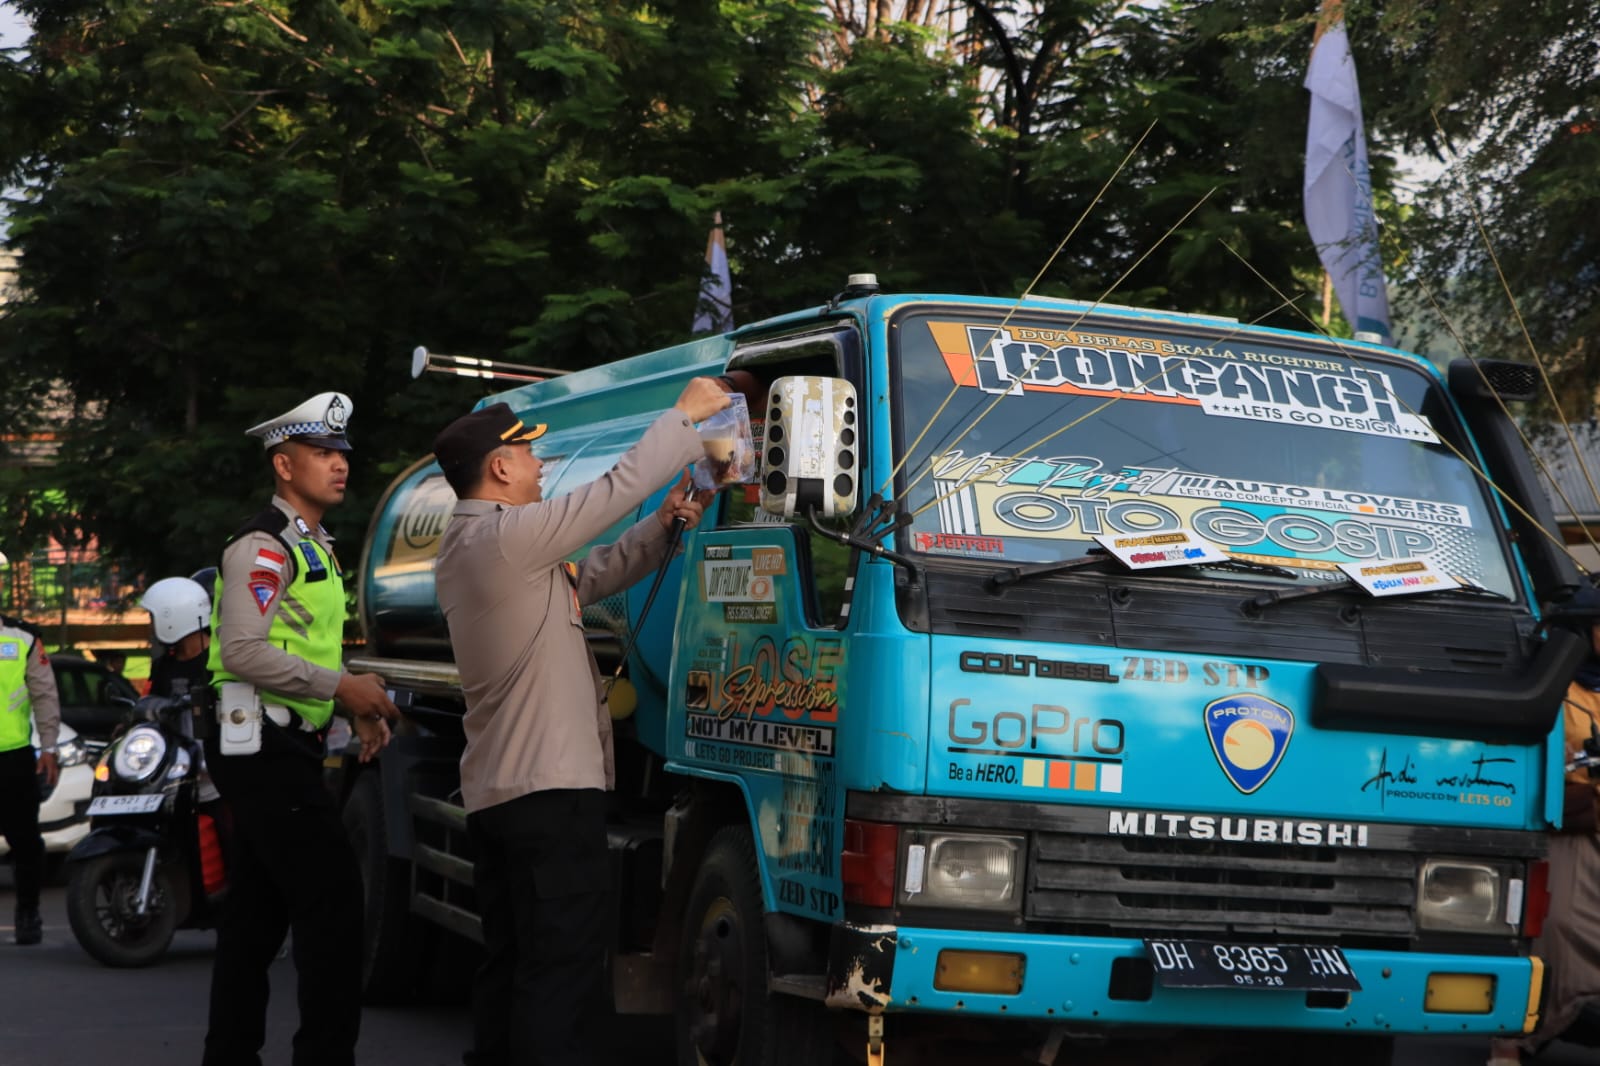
x: 1262, y: 386
x: 1148, y: 551
x: 1249, y: 735
x: 1402, y: 578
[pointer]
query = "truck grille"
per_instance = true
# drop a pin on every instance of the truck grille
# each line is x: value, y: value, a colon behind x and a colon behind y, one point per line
x: 1142, y: 886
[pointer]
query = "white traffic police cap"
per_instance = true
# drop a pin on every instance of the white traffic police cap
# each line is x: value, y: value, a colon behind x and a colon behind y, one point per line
x: 320, y: 421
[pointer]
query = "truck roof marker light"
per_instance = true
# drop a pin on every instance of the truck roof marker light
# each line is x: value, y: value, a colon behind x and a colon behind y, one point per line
x: 1536, y: 898
x: 868, y: 863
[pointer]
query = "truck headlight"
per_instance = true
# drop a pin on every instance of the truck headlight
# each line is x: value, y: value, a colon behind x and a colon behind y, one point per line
x: 962, y: 870
x: 139, y: 754
x: 1462, y: 897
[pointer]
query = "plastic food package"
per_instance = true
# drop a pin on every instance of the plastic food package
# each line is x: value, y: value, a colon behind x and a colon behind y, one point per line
x: 730, y: 451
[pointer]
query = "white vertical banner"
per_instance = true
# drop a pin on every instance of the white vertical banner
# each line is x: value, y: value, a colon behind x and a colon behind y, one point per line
x: 1338, y: 184
x: 714, y: 311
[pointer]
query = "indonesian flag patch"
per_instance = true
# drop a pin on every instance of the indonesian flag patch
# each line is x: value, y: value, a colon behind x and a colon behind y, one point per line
x: 264, y: 585
x: 268, y: 560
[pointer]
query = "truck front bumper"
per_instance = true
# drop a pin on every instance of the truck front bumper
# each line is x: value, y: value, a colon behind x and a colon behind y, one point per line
x: 1070, y: 980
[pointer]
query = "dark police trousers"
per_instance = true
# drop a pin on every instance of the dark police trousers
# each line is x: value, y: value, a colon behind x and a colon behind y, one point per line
x: 543, y: 885
x: 290, y: 868
x: 19, y: 821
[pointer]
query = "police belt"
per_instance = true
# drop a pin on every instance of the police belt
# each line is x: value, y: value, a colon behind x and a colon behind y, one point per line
x: 283, y: 717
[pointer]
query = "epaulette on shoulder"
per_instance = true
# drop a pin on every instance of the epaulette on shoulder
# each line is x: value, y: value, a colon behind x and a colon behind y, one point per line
x: 270, y: 520
x: 273, y: 521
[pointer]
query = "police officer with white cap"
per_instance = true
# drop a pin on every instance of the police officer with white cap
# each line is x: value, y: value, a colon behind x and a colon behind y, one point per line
x: 278, y: 620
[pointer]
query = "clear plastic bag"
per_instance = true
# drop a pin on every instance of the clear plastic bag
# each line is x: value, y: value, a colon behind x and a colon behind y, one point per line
x: 730, y: 457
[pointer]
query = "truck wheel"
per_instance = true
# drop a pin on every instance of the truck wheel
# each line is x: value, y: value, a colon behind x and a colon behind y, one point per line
x: 389, y: 957
x: 725, y: 1014
x: 101, y: 908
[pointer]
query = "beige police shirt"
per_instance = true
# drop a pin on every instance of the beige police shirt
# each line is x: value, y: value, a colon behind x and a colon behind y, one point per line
x: 244, y: 622
x: 40, y: 681
x: 535, y: 719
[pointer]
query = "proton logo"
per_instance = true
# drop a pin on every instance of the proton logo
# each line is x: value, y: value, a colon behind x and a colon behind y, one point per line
x: 1249, y: 735
x: 336, y: 414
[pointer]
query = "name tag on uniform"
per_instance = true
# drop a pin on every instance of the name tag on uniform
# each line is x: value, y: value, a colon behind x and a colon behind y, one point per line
x: 315, y: 569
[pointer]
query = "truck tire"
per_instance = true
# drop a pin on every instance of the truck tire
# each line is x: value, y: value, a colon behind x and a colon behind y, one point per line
x: 100, y: 908
x: 725, y: 1015
x: 390, y: 955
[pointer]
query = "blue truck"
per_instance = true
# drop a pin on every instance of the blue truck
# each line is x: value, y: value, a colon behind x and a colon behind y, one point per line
x: 1067, y: 672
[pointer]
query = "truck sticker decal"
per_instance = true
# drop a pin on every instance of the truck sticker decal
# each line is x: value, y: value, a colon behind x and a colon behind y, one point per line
x: 1244, y: 830
x: 980, y: 662
x: 1222, y: 382
x: 1045, y: 732
x: 1304, y: 536
x: 769, y: 562
x: 745, y: 614
x: 1214, y: 673
x: 959, y: 544
x: 1401, y: 780
x: 1093, y: 478
x: 735, y: 581
x: 1073, y: 775
x: 762, y: 733
x: 1248, y: 735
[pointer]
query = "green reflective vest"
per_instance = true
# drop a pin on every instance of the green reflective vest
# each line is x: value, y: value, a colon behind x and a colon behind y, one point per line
x: 16, y: 706
x: 308, y: 624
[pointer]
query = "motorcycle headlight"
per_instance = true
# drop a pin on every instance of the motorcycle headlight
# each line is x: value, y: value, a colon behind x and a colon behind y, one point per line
x: 71, y: 753
x: 139, y: 754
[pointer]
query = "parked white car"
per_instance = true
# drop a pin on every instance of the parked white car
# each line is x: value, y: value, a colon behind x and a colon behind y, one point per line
x: 63, y: 818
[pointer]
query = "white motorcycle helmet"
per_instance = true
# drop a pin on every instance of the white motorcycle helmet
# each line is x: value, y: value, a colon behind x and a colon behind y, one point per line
x: 177, y: 608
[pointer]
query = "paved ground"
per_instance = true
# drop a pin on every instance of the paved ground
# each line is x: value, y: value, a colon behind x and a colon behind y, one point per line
x: 58, y: 1007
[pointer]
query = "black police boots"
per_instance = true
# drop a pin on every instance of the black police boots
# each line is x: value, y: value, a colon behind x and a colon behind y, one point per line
x: 30, y: 927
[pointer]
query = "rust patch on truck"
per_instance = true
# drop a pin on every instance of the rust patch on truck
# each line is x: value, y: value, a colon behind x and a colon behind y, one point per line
x: 861, y: 966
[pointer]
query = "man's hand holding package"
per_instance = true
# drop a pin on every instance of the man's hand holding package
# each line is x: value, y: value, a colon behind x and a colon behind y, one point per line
x: 702, y: 398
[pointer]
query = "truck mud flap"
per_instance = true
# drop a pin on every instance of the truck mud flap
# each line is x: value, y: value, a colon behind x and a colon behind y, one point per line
x: 861, y: 966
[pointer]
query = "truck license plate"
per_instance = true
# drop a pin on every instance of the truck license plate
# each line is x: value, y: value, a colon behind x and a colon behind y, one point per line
x: 1210, y: 964
x: 124, y: 804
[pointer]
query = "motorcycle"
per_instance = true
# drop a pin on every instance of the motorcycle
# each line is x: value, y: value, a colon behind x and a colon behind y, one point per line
x: 153, y: 861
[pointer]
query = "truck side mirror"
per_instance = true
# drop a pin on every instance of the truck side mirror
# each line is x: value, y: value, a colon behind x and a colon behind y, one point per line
x: 812, y: 443
x: 1487, y: 378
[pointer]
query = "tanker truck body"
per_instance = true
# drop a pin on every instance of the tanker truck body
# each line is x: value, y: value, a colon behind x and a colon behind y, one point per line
x: 1070, y: 670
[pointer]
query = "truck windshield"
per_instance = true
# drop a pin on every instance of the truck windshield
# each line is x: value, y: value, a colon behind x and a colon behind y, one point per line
x: 1296, y: 456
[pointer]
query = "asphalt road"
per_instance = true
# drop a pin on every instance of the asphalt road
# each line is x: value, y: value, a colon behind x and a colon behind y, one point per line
x: 58, y: 1007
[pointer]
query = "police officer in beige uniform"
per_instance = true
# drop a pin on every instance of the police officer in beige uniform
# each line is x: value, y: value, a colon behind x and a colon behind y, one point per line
x: 538, y: 757
x: 275, y: 659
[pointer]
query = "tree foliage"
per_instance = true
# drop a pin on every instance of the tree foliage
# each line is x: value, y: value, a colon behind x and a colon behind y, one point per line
x: 232, y: 204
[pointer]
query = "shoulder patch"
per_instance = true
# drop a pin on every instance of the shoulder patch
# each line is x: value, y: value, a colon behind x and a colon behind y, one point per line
x: 10, y: 650
x: 263, y: 591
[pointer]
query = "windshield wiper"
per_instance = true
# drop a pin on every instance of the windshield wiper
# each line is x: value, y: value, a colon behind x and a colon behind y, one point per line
x: 1262, y: 600
x: 1011, y: 575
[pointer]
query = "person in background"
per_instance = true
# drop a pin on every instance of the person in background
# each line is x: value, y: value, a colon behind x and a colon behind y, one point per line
x: 276, y: 661
x: 180, y: 621
x: 538, y: 760
x: 1570, y: 941
x: 27, y: 697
